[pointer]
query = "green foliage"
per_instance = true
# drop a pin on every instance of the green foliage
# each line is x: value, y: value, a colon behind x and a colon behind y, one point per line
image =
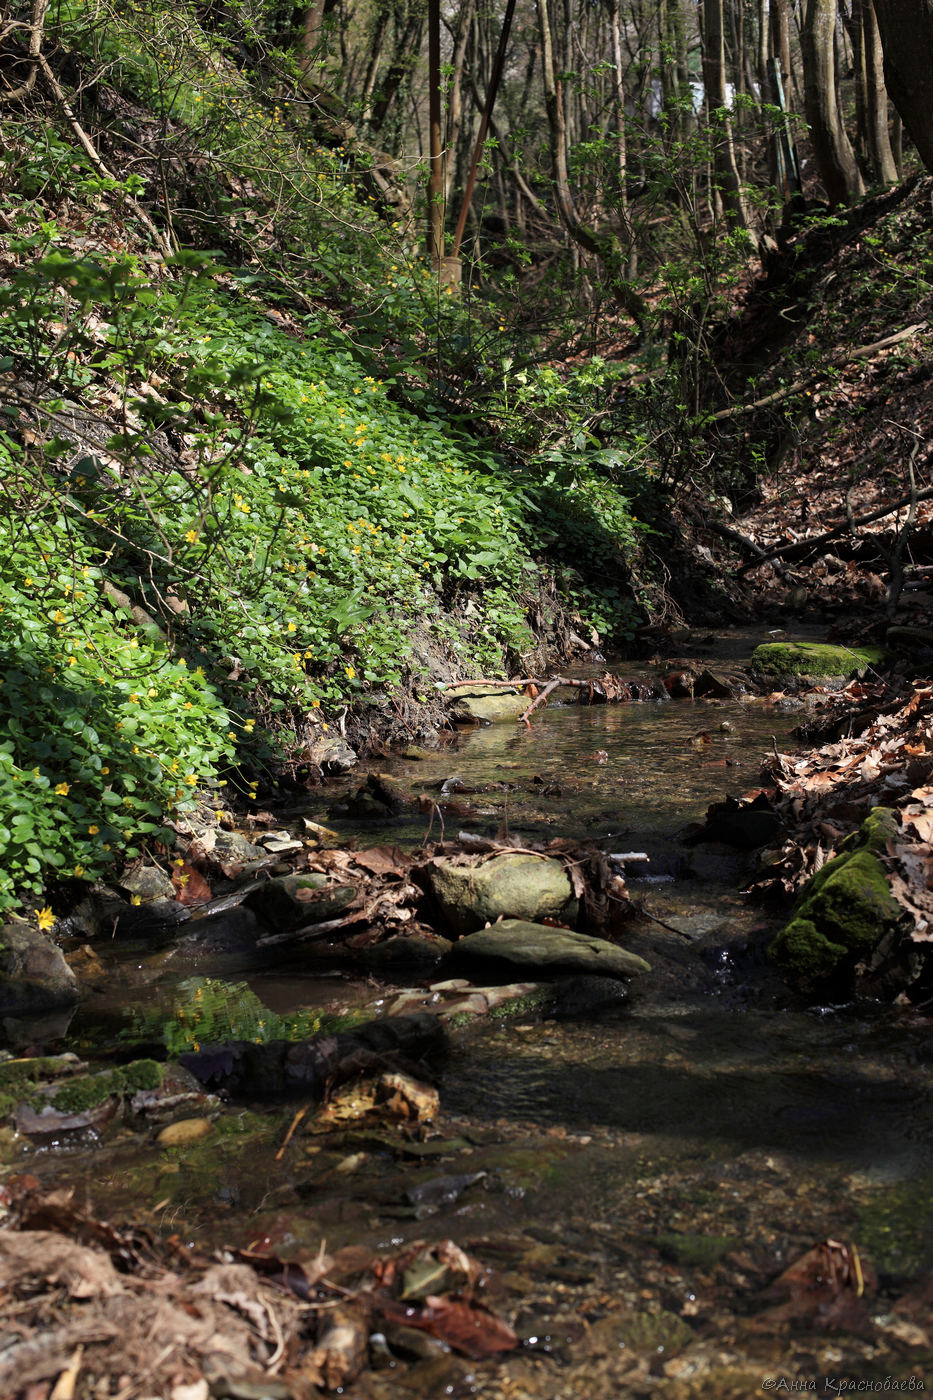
x: 220, y: 522
x: 105, y: 732
x: 207, y: 1011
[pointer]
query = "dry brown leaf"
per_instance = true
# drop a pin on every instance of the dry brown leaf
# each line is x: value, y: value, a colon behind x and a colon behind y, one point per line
x: 28, y: 1256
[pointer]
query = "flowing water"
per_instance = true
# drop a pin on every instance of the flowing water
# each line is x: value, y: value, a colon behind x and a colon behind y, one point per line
x: 641, y: 1177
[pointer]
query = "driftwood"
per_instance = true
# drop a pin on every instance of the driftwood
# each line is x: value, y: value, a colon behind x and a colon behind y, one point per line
x: 607, y: 688
x: 603, y: 689
x: 800, y: 548
x: 846, y: 357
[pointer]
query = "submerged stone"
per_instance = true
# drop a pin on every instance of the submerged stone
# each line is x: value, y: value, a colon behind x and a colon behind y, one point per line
x: 509, y: 886
x: 184, y: 1131
x: 477, y: 704
x: 524, y: 944
x: 700, y: 1251
x: 844, y: 909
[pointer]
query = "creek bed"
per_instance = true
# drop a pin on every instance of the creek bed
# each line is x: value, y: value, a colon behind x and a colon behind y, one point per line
x: 641, y: 1177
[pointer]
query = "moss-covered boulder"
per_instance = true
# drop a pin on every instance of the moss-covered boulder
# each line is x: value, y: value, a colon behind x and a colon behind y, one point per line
x: 843, y: 911
x: 811, y: 661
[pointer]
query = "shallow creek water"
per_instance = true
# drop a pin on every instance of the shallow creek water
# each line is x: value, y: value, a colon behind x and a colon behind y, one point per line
x: 645, y: 1175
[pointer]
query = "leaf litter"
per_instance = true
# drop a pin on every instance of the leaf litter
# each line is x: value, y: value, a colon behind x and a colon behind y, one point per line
x: 122, y: 1312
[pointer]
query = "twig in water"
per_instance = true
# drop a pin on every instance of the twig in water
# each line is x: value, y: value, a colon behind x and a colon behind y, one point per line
x: 288, y: 1136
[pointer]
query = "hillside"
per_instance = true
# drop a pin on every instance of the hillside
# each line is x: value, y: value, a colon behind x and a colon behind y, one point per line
x: 236, y: 506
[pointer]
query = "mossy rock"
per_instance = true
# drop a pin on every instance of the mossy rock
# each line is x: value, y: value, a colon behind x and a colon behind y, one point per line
x: 32, y: 1082
x: 844, y: 910
x: 813, y: 660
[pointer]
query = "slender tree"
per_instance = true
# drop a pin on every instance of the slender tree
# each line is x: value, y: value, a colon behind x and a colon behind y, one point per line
x: 726, y: 170
x: 880, y: 154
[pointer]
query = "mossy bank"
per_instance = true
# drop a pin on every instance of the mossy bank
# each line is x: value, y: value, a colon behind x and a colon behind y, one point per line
x: 843, y: 911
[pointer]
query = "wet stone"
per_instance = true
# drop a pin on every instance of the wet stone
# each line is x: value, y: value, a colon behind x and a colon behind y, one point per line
x: 581, y: 996
x: 509, y: 886
x: 406, y: 950
x: 290, y: 900
x: 523, y: 944
x: 34, y: 975
x: 147, y: 882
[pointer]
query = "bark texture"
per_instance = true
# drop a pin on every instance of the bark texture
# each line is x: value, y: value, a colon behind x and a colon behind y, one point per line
x: 907, y: 37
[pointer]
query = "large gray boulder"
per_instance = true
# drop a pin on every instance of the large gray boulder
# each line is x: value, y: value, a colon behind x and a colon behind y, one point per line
x: 509, y: 886
x: 523, y: 944
x: 34, y: 975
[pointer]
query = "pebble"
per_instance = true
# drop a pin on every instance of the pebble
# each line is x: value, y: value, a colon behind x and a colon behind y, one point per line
x: 185, y: 1130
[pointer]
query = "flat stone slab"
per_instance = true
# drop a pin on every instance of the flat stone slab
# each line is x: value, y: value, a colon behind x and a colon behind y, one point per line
x: 537, y: 945
x: 496, y: 707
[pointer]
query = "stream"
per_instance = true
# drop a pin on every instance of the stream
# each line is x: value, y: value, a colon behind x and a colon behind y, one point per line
x: 636, y: 1180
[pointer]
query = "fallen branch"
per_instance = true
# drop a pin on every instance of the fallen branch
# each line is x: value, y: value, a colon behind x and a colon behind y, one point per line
x: 508, y: 685
x: 799, y: 548
x: 553, y: 684
x: 36, y: 27
x: 306, y: 932
x: 846, y: 357
x: 94, y: 156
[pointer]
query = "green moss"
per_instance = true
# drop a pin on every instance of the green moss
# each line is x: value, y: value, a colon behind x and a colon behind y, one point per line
x: 21, y: 1082
x: 17, y: 1074
x: 143, y: 1074
x: 896, y: 1228
x: 878, y: 828
x: 523, y: 1006
x: 812, y: 659
x: 87, y: 1092
x: 844, y: 909
x: 801, y: 948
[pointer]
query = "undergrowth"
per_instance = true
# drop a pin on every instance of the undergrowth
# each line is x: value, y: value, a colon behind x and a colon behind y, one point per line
x: 218, y: 525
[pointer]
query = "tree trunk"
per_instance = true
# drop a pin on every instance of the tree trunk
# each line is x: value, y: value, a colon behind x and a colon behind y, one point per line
x: 907, y: 37
x: 726, y: 171
x: 455, y: 93
x: 409, y: 29
x: 835, y: 158
x: 880, y: 154
x: 375, y: 60
x: 628, y: 233
x: 605, y: 246
x: 780, y: 44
